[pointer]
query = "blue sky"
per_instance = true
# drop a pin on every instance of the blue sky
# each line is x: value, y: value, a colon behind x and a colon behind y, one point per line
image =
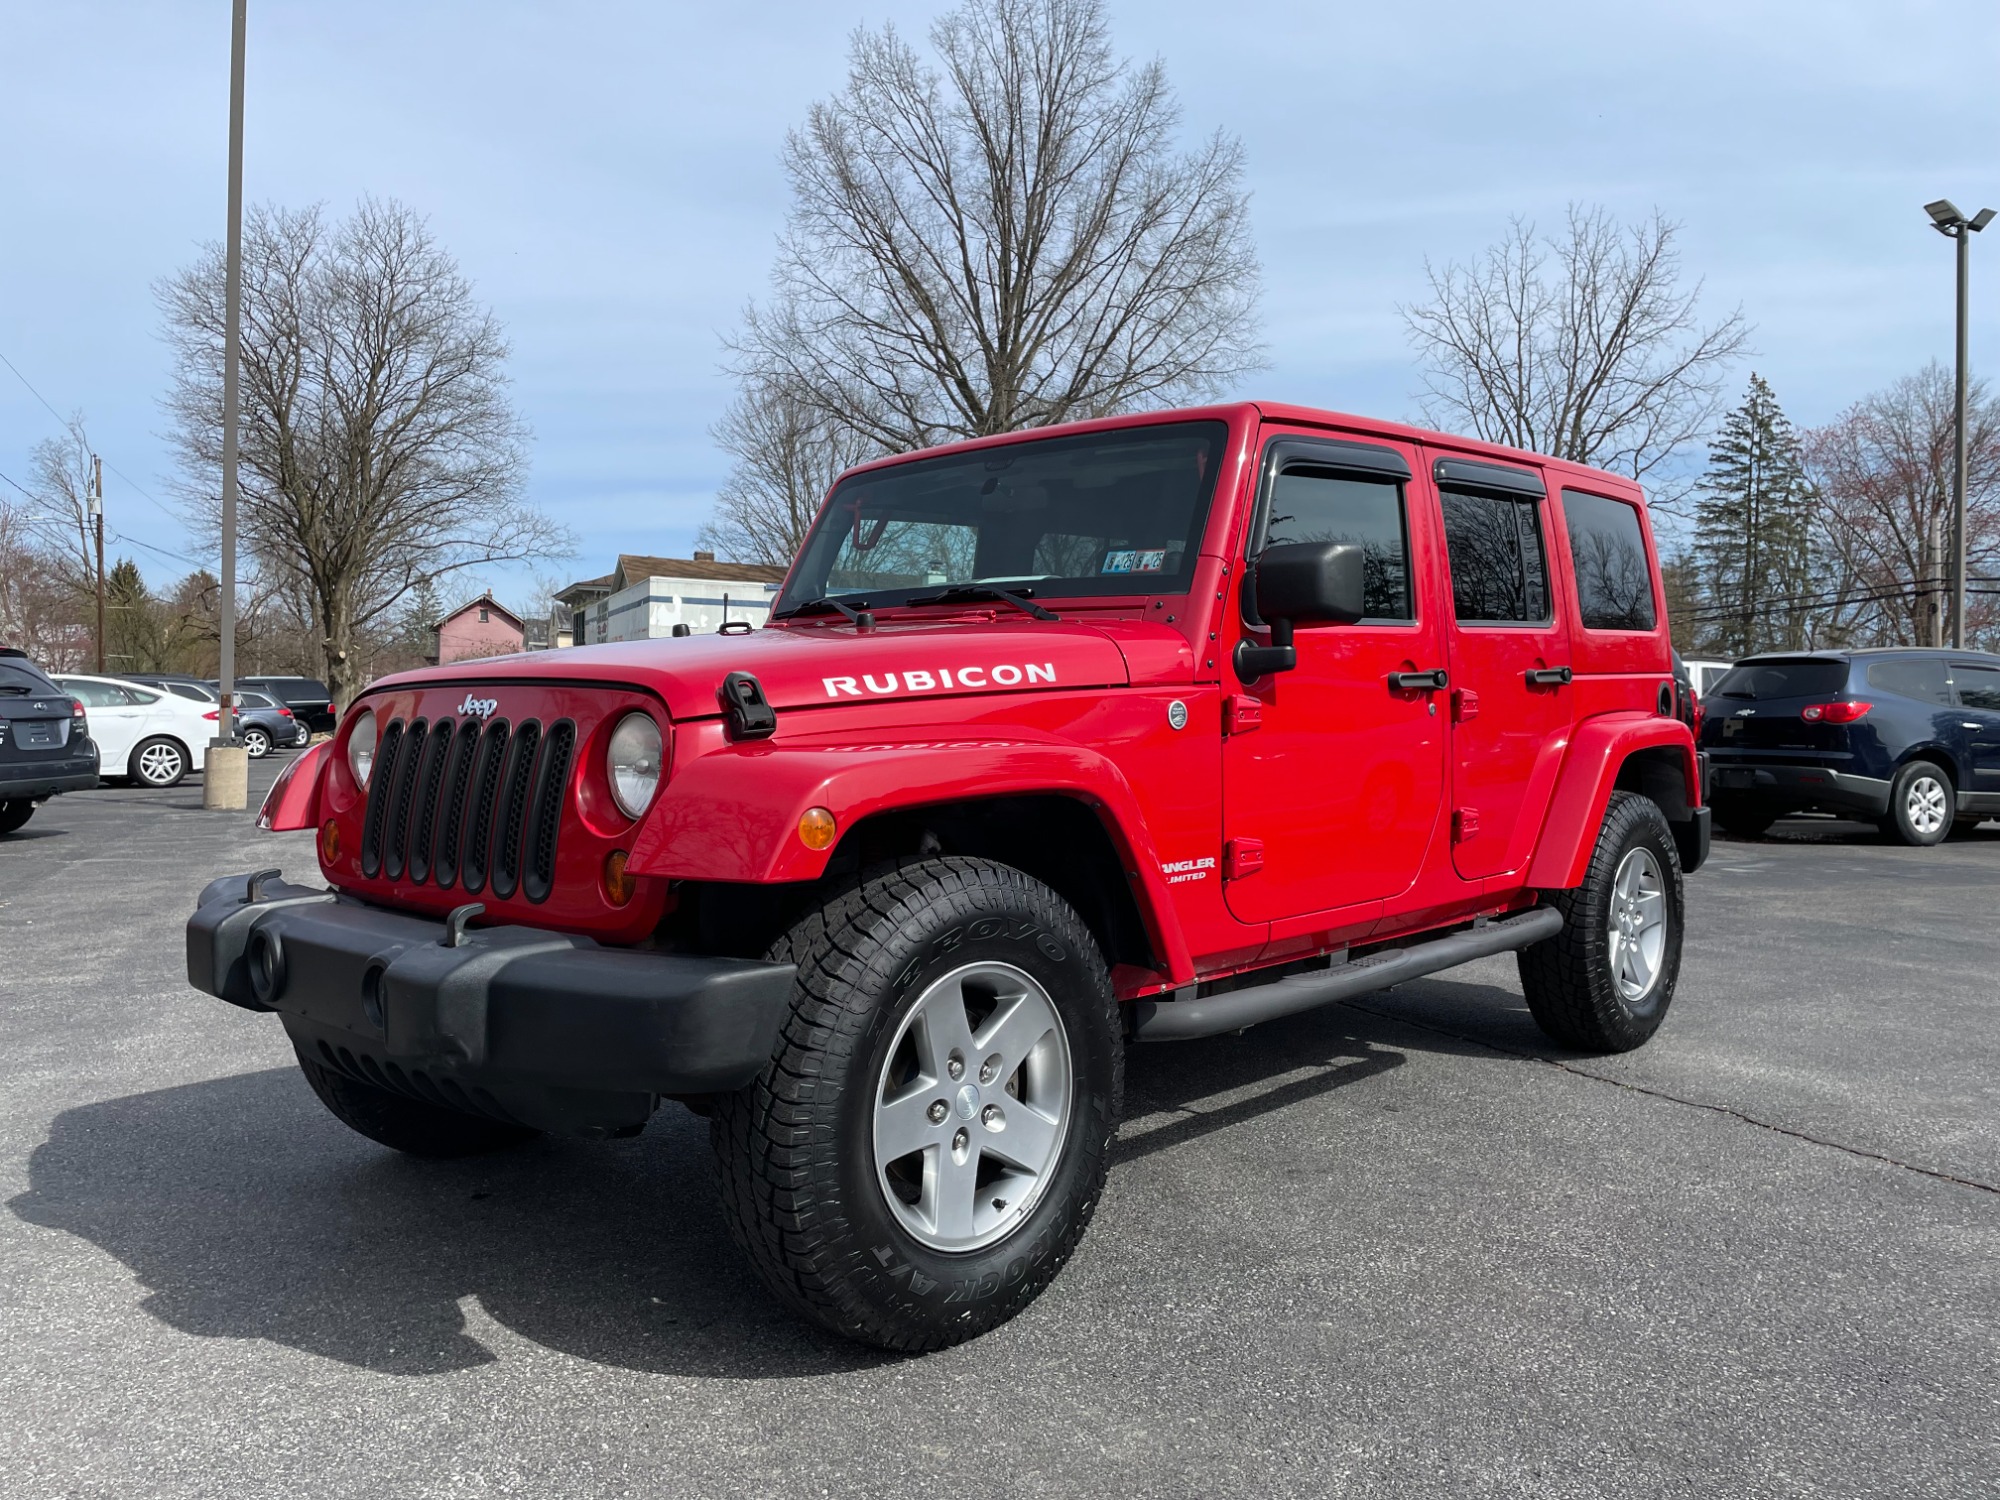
x: 607, y: 175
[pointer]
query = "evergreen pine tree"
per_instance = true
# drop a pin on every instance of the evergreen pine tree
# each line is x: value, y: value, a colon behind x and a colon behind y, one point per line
x: 1752, y: 541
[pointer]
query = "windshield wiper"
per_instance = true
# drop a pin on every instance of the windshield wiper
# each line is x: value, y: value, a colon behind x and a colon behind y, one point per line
x: 824, y: 605
x: 969, y: 593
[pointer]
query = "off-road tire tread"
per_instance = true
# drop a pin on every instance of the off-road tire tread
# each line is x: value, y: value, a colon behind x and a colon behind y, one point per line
x: 1564, y: 978
x: 777, y: 1174
x: 408, y: 1125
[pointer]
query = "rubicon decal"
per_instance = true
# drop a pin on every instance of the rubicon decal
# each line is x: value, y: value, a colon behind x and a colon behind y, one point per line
x: 941, y: 680
x: 1181, y: 871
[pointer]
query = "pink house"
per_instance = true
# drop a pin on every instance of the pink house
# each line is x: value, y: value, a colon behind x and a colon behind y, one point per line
x: 482, y: 627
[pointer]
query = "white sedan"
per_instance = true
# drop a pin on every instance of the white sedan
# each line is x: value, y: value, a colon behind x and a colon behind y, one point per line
x: 153, y: 737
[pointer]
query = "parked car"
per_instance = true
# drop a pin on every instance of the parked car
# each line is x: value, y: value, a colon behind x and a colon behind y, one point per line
x: 153, y: 737
x: 45, y: 743
x: 1155, y: 727
x: 1706, y: 672
x: 306, y: 697
x: 1908, y: 737
x: 263, y: 725
x: 179, y: 684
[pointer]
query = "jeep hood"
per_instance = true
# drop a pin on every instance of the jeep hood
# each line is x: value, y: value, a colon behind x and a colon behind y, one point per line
x: 816, y: 666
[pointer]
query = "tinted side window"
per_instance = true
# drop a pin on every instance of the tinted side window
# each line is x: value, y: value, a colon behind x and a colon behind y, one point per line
x: 1614, y: 587
x: 1921, y: 678
x: 95, y: 694
x: 1978, y: 687
x: 1498, y: 572
x: 1320, y: 505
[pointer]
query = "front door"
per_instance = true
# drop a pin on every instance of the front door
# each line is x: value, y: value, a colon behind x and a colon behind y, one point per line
x: 1332, y: 776
x: 1510, y: 698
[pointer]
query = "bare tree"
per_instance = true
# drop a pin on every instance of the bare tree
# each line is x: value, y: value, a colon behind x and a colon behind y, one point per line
x: 58, y: 511
x: 1005, y: 240
x: 1883, y: 469
x: 377, y: 445
x: 1585, y: 347
x: 788, y: 453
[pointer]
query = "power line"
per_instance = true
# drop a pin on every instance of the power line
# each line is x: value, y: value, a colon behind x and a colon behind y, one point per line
x: 139, y: 488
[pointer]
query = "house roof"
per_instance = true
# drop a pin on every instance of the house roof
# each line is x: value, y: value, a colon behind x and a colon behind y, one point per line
x: 585, y: 586
x: 486, y: 600
x: 632, y: 569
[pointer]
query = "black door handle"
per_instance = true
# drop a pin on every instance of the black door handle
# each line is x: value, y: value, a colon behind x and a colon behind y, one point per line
x: 1548, y: 677
x: 1414, y: 682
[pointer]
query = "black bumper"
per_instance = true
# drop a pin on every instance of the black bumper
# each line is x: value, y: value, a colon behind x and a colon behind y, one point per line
x: 551, y: 1030
x: 1799, y: 786
x: 31, y: 781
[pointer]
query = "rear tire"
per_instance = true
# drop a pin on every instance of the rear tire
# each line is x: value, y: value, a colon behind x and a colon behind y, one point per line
x: 1603, y: 984
x: 256, y: 743
x: 14, y: 813
x: 158, y: 763
x: 1921, y: 805
x: 838, y: 1164
x: 407, y: 1125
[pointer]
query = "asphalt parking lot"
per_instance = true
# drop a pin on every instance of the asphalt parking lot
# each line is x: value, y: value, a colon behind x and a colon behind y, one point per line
x: 1397, y: 1247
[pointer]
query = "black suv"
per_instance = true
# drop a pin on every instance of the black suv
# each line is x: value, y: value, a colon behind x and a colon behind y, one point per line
x: 306, y: 697
x: 45, y: 744
x: 1907, y: 736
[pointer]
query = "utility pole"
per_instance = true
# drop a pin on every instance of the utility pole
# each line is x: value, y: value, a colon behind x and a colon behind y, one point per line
x: 225, y: 779
x: 97, y: 520
x: 1953, y: 225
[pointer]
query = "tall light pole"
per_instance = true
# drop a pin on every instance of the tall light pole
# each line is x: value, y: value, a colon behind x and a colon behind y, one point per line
x: 224, y: 779
x: 1953, y: 225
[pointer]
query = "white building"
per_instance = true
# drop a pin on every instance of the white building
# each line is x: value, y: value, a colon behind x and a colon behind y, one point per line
x: 649, y: 596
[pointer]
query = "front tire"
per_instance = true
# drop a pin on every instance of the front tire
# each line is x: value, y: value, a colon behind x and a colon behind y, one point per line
x: 1921, y: 805
x: 158, y: 763
x: 1603, y: 984
x: 15, y: 813
x: 930, y: 1139
x: 407, y: 1125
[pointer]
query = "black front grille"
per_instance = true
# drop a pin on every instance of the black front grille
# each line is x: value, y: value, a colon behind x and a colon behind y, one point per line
x: 454, y: 805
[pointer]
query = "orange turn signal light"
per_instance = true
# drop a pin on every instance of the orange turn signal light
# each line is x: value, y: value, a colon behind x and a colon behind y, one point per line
x: 329, y: 842
x: 618, y: 886
x: 816, y: 828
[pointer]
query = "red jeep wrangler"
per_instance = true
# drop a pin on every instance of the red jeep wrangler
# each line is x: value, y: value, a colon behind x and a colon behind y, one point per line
x: 1148, y: 728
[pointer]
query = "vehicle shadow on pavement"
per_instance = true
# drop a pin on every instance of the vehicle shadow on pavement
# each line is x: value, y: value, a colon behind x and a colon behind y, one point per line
x: 247, y: 1212
x: 1179, y: 1092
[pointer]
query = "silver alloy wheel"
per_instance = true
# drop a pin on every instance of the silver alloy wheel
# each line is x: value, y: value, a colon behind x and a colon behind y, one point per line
x: 1638, y: 924
x: 1926, y: 805
x: 160, y: 764
x: 970, y: 1120
x: 256, y: 743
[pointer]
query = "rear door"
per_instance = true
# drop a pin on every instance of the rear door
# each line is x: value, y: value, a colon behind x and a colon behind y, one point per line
x: 1333, y: 775
x: 1510, y: 658
x: 1977, y: 688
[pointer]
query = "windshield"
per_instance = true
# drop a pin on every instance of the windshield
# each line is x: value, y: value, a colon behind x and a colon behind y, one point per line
x: 1101, y: 513
x: 1783, y: 679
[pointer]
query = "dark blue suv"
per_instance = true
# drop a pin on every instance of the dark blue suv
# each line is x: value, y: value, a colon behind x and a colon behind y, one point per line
x: 1907, y: 736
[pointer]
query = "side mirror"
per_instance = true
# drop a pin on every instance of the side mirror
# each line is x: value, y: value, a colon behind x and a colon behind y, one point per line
x: 1300, y: 583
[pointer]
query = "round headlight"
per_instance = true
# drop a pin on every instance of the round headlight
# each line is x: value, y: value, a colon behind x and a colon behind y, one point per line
x: 361, y: 747
x: 632, y: 761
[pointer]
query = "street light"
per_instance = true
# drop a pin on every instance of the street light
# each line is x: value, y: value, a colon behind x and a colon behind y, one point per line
x: 1949, y: 222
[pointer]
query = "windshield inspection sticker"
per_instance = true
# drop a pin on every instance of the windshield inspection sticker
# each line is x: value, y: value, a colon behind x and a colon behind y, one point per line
x: 1181, y: 871
x: 1134, y: 562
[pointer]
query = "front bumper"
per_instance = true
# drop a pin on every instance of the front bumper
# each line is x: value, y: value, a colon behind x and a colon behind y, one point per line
x: 544, y: 1028
x: 1799, y: 786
